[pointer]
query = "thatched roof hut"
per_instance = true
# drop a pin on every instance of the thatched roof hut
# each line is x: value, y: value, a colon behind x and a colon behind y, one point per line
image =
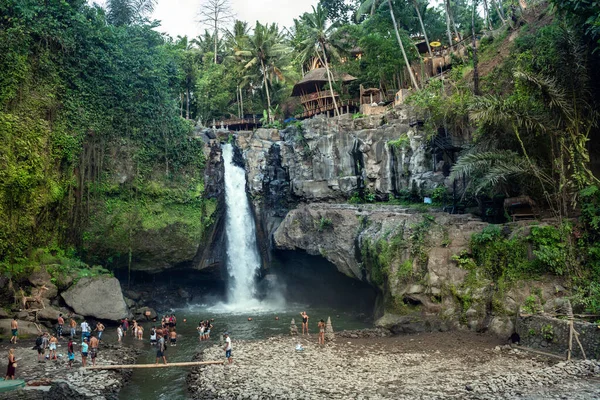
x: 315, y: 79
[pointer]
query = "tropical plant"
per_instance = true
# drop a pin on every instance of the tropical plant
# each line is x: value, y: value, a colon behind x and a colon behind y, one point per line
x: 266, y: 58
x: 126, y: 12
x: 372, y: 5
x: 318, y: 43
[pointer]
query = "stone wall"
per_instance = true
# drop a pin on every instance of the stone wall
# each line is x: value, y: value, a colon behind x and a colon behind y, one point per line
x: 552, y: 335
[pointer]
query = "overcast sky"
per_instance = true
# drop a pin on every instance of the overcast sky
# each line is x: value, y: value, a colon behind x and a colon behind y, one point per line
x: 179, y: 17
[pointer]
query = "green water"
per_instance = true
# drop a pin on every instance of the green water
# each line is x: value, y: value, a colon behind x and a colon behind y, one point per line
x: 169, y: 383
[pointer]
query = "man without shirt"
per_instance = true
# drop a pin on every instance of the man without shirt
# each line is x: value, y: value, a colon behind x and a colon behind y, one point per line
x: 94, y: 349
x: 59, y: 327
x: 100, y: 328
x: 14, y: 327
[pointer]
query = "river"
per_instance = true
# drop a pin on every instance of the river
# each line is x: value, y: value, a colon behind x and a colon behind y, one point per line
x: 169, y: 383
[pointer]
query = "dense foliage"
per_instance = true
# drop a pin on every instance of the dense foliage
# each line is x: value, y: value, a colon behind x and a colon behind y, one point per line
x: 88, y: 113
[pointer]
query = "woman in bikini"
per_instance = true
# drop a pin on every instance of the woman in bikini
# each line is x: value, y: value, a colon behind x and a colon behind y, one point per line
x: 304, y: 322
x: 321, y: 326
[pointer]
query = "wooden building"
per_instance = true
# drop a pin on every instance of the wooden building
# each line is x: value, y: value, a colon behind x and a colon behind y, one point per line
x: 316, y: 97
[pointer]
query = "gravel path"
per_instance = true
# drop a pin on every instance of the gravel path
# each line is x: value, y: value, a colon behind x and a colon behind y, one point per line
x: 454, y: 365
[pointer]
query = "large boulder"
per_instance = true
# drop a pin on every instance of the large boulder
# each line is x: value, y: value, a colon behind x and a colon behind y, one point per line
x: 41, y: 278
x: 99, y: 297
x: 49, y: 314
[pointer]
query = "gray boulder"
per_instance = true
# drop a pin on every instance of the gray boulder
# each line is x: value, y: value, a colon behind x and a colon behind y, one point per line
x: 99, y: 297
x: 49, y: 314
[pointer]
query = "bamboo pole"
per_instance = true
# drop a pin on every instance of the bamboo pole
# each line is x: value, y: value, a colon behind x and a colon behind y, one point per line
x: 141, y: 366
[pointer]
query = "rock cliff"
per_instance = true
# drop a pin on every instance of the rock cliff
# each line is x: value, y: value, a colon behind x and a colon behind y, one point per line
x: 411, y: 257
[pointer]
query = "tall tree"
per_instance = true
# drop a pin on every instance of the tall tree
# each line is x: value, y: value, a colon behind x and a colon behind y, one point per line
x: 371, y: 5
x: 126, y: 12
x: 475, y: 60
x: 215, y: 13
x: 447, y: 12
x: 416, y: 5
x: 318, y: 43
x: 266, y: 57
x: 236, y: 40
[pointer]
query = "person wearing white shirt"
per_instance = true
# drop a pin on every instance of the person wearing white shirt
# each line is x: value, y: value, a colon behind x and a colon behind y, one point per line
x: 85, y: 330
x: 228, y: 348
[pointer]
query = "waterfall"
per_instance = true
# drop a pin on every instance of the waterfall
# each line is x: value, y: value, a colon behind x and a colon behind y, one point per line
x: 243, y: 261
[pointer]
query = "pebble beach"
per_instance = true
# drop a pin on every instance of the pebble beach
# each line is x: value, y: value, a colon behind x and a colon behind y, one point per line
x: 456, y: 365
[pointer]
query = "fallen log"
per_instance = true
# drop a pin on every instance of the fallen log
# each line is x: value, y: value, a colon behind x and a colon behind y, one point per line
x: 140, y: 366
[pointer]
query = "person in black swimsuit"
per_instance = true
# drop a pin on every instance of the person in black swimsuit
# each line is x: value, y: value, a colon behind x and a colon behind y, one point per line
x: 304, y: 322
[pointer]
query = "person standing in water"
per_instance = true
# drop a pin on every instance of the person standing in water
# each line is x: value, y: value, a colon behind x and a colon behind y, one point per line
x: 321, y: 326
x: 153, y: 336
x: 304, y: 322
x: 160, y: 351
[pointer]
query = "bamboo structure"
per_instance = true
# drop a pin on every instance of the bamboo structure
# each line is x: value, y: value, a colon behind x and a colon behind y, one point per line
x: 142, y: 366
x: 572, y: 332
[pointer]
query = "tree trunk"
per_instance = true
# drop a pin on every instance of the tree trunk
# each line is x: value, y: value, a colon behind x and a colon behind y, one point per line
x: 330, y: 80
x: 486, y: 11
x: 423, y: 28
x: 237, y: 98
x: 499, y: 12
x: 448, y: 26
x: 412, y: 76
x: 266, y: 83
x: 187, y: 106
x: 242, y: 102
x: 216, y: 38
x: 453, y: 22
x: 475, y: 61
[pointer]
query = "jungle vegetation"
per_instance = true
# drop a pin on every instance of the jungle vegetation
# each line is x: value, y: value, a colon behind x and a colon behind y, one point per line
x: 97, y: 109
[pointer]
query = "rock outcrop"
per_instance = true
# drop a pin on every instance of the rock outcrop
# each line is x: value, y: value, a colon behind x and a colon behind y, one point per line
x: 409, y: 257
x: 99, y: 297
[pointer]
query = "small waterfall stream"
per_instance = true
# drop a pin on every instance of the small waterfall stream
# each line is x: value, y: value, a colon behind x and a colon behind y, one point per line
x: 243, y: 261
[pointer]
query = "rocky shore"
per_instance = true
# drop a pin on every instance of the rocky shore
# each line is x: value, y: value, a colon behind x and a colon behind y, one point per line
x: 452, y: 365
x: 52, y: 380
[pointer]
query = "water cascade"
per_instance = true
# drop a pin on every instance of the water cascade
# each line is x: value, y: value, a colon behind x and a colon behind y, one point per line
x: 243, y: 261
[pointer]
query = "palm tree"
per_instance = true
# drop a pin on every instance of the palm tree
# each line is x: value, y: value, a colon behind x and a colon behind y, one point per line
x: 236, y: 40
x: 318, y: 42
x: 266, y: 56
x: 126, y: 12
x: 370, y: 4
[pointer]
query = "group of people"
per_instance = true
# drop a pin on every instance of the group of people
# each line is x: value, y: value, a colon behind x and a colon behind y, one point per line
x: 203, y: 329
x: 320, y: 325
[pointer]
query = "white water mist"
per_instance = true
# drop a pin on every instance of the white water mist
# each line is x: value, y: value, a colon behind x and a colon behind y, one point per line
x: 243, y: 261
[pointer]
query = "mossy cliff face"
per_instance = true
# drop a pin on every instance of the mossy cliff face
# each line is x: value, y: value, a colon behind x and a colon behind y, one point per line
x: 157, y: 223
x: 421, y: 263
